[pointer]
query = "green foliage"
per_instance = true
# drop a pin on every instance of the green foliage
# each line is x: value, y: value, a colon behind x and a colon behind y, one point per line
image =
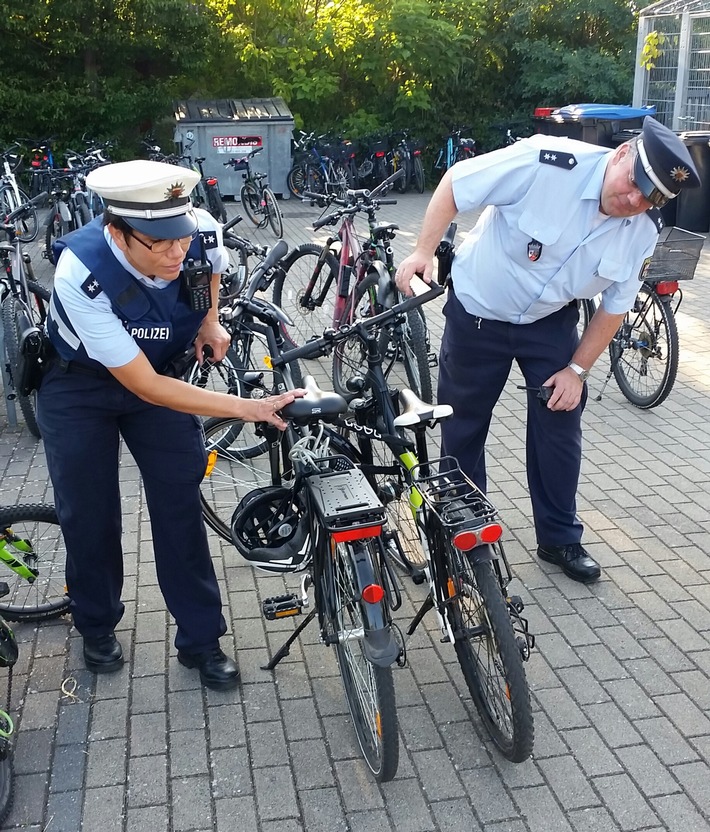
x: 652, y: 51
x: 112, y: 68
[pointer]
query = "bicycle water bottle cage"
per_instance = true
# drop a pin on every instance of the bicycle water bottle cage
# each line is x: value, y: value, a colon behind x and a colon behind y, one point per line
x: 270, y: 530
x: 316, y: 405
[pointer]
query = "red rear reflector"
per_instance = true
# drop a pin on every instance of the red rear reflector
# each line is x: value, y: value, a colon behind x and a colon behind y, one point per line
x: 541, y: 112
x: 379, y: 153
x: 417, y: 153
x: 491, y: 533
x: 211, y: 181
x: 373, y: 594
x: 666, y: 287
x: 357, y: 534
x: 465, y: 541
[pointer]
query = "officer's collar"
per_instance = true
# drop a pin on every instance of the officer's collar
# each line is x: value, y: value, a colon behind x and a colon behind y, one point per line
x: 593, y: 188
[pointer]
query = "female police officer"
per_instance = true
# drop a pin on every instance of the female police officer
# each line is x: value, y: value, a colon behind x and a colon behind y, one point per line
x: 127, y: 299
x: 565, y: 220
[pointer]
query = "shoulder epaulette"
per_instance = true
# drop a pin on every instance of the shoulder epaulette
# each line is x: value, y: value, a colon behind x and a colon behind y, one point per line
x: 557, y: 159
x: 656, y: 217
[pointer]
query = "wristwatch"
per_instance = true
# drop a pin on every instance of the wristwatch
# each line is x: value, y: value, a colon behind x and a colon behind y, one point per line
x: 581, y: 372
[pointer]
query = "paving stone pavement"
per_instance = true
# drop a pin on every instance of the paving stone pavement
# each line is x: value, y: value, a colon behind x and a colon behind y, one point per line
x: 619, y: 678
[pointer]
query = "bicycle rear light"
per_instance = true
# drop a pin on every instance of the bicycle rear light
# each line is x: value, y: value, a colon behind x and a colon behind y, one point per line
x: 359, y: 533
x: 373, y: 594
x: 468, y: 539
x: 379, y: 153
x: 666, y: 287
x: 211, y: 181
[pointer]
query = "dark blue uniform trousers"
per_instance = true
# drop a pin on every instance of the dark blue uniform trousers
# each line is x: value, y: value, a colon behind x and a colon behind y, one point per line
x: 81, y: 418
x: 476, y: 358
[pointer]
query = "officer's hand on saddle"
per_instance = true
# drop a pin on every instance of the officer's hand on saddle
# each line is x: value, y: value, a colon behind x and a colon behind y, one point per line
x: 268, y: 409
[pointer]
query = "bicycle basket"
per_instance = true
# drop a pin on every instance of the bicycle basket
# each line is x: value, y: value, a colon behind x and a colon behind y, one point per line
x: 675, y: 257
x: 344, y: 500
x: 240, y: 164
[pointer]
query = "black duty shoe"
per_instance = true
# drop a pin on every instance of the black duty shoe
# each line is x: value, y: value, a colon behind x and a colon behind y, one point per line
x: 217, y: 671
x: 574, y: 559
x: 103, y: 654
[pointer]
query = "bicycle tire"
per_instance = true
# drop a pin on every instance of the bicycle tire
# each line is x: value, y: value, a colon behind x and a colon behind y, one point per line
x: 306, y: 263
x: 411, y: 346
x: 350, y: 356
x: 234, y: 278
x: 365, y: 684
x: 28, y: 404
x: 230, y: 474
x: 403, y: 163
x: 7, y: 786
x: 251, y: 203
x: 47, y: 596
x: 646, y: 374
x: 214, y: 200
x: 587, y: 308
x: 56, y: 228
x: 273, y: 213
x: 296, y: 180
x: 419, y: 181
x: 27, y: 227
x: 490, y: 658
x: 82, y: 215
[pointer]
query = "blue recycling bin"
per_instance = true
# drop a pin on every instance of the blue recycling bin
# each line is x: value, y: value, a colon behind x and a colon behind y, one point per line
x: 593, y: 123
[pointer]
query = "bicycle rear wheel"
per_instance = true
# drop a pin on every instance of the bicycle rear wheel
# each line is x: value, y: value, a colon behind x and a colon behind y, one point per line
x: 369, y: 688
x: 7, y: 785
x: 644, y: 352
x: 32, y: 533
x: 251, y: 203
x: 296, y: 180
x: 305, y: 290
x: 216, y: 206
x: 28, y: 404
x: 273, y: 213
x: 418, y: 175
x: 489, y: 655
x: 56, y: 228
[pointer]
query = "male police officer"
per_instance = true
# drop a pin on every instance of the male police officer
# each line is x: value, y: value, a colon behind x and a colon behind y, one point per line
x: 565, y: 220
x: 127, y: 299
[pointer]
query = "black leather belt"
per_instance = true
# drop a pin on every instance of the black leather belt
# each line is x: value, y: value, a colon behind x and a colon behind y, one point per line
x: 81, y: 369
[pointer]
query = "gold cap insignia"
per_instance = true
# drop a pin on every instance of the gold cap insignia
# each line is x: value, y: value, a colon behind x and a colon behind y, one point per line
x: 175, y: 191
x: 679, y: 174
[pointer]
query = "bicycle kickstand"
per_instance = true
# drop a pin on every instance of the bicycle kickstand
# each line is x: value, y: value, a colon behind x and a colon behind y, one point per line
x: 282, y: 652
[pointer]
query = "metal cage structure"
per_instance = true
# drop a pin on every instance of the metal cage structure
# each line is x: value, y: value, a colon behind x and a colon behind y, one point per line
x: 679, y: 83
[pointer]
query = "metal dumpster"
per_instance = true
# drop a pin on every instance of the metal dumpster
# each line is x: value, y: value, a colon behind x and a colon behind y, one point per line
x: 223, y: 129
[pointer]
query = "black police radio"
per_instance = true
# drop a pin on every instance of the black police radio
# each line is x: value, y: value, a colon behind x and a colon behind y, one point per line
x: 197, y: 278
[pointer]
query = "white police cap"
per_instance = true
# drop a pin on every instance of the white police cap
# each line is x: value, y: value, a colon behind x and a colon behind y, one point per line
x: 152, y: 197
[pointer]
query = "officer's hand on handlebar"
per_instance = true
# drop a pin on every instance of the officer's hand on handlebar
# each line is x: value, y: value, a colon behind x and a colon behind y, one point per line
x: 417, y: 264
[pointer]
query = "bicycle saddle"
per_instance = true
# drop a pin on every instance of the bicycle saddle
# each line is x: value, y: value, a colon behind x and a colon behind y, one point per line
x: 8, y: 247
x: 381, y: 229
x: 415, y: 411
x: 316, y: 404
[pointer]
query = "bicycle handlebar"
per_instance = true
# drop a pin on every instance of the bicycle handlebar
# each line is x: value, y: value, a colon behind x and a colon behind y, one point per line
x: 277, y: 253
x: 323, y: 345
x: 228, y: 226
x: 24, y: 208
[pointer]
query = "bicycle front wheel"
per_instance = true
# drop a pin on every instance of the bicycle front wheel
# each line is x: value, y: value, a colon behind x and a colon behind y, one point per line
x: 56, y: 228
x: 27, y: 227
x: 305, y: 290
x: 418, y: 175
x: 232, y: 470
x: 489, y: 655
x: 644, y: 352
x: 369, y: 688
x: 7, y: 785
x: 251, y: 203
x: 273, y: 213
x: 28, y: 404
x: 31, y: 534
x: 409, y: 338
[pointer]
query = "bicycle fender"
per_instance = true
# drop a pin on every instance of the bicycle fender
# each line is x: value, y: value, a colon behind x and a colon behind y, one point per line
x: 379, y: 644
x: 481, y: 554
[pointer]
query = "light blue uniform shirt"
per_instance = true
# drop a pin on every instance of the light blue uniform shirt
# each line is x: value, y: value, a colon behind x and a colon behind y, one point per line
x: 97, y: 326
x: 584, y: 252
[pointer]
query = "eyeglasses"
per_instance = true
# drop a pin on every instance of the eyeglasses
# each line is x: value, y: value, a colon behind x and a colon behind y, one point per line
x: 657, y: 198
x: 161, y: 246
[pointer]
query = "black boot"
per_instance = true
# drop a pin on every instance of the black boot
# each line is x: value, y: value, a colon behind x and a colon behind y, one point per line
x: 575, y: 560
x: 103, y: 654
x: 217, y: 671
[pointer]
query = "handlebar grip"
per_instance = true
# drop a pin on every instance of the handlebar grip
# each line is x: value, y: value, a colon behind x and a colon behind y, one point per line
x: 312, y: 349
x: 386, y: 201
x: 419, y: 299
x: 24, y: 208
x: 229, y: 225
x: 324, y: 221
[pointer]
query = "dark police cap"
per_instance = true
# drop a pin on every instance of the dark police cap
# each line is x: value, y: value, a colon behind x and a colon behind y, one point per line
x: 663, y: 167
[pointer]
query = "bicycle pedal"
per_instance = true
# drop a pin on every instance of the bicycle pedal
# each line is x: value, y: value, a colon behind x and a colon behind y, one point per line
x: 433, y: 359
x: 516, y: 602
x: 4, y: 589
x: 281, y: 606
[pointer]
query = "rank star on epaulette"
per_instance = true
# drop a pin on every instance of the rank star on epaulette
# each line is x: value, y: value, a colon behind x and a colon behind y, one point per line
x: 91, y: 287
x: 557, y: 159
x: 209, y: 238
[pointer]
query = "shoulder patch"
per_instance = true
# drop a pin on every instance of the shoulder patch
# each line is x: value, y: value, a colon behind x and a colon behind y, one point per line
x: 91, y: 287
x: 656, y: 217
x: 557, y: 159
x: 209, y: 238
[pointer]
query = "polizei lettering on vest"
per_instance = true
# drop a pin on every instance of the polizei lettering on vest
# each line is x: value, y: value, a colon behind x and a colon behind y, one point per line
x: 149, y: 333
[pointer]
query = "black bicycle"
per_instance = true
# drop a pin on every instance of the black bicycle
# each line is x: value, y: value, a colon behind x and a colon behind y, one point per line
x: 257, y: 198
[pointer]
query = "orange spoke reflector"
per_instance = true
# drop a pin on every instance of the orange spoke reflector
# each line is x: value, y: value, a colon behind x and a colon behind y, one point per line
x: 211, y: 462
x: 465, y: 541
x: 450, y: 586
x: 357, y: 534
x: 507, y: 692
x: 378, y: 723
x: 491, y: 533
x: 373, y: 594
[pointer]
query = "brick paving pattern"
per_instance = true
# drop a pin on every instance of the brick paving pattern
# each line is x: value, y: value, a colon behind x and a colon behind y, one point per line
x: 619, y: 679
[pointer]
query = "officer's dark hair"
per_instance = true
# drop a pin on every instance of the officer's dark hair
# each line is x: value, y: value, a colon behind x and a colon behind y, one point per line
x: 117, y: 222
